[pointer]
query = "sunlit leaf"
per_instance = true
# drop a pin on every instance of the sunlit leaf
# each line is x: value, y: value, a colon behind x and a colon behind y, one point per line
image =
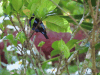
x: 21, y: 37
x: 70, y: 44
x: 17, y: 4
x: 41, y: 44
x: 57, y: 24
x: 55, y: 52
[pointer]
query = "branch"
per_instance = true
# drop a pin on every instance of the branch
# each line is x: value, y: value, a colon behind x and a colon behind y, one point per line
x: 97, y: 9
x: 69, y: 60
x: 86, y: 62
x: 91, y: 10
x: 58, y: 68
x: 93, y: 39
x: 30, y: 48
x: 13, y: 23
x: 33, y: 64
x: 76, y: 30
x: 21, y: 24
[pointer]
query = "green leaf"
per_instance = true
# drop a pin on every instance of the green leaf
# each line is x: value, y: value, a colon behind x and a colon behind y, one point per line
x: 1, y: 26
x: 4, y: 72
x: 29, y: 71
x: 41, y: 44
x: 61, y: 46
x: 4, y: 5
x: 53, y: 59
x: 55, y: 52
x: 1, y: 10
x: 14, y: 42
x: 66, y: 51
x: 34, y: 4
x: 85, y: 25
x: 82, y: 49
x: 70, y: 44
x: 6, y: 22
x: 93, y: 2
x: 17, y: 4
x: 71, y: 5
x: 97, y: 46
x: 75, y: 16
x: 8, y: 9
x: 57, y: 24
x: 80, y: 16
x: 21, y: 37
x: 41, y: 7
x: 55, y: 45
x: 9, y: 37
x: 32, y: 21
x: 72, y: 68
x: 90, y: 63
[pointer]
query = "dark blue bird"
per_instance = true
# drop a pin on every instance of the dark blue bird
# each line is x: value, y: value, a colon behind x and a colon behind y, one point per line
x: 40, y: 27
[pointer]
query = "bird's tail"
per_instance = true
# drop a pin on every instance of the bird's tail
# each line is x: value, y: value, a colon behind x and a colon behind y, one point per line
x: 46, y: 36
x: 44, y: 33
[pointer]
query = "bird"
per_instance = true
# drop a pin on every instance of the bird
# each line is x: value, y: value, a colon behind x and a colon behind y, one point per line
x: 40, y: 27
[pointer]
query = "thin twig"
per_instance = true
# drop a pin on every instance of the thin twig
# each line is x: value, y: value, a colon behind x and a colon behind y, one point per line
x: 18, y: 17
x: 19, y: 50
x: 97, y: 9
x: 58, y: 68
x: 86, y: 62
x: 33, y: 64
x: 76, y: 30
x: 69, y: 60
x: 13, y: 23
x: 67, y: 66
x: 38, y: 62
x: 84, y: 3
x: 92, y: 12
x: 78, y: 65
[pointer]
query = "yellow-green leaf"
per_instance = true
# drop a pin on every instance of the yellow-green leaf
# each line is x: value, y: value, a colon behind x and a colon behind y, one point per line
x: 17, y: 4
x: 41, y: 44
x: 57, y: 24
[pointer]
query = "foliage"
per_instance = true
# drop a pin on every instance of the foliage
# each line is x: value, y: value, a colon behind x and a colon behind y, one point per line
x: 59, y: 16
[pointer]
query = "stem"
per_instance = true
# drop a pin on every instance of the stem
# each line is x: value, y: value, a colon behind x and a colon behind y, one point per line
x: 59, y: 64
x: 13, y: 23
x: 93, y: 39
x: 33, y: 65
x: 67, y: 66
x: 69, y: 60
